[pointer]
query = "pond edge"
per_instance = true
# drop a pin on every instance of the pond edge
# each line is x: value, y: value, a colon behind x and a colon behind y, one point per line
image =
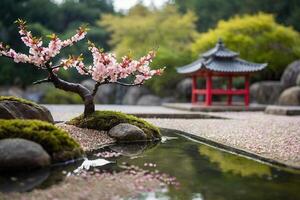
x: 234, y: 150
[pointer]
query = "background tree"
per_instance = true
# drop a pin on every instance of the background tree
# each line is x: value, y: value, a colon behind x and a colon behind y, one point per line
x: 210, y: 12
x: 104, y: 70
x: 143, y: 29
x: 45, y: 17
x: 258, y: 38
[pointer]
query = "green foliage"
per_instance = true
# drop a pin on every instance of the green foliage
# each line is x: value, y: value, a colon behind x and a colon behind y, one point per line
x: 56, y: 142
x: 210, y: 12
x: 143, y: 29
x: 44, y: 17
x: 105, y: 120
x: 56, y: 96
x: 257, y: 38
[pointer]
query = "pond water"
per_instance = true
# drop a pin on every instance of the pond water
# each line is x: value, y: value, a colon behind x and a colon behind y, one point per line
x: 202, y: 172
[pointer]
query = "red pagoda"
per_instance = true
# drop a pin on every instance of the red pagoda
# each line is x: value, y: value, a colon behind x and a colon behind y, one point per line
x: 220, y: 62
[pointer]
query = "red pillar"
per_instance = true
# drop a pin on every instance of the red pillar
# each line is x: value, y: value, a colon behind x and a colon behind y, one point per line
x: 194, y: 88
x: 208, y: 95
x: 247, y: 93
x: 229, y: 87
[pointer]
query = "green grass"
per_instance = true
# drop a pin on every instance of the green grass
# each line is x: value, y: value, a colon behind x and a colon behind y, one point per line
x: 59, y: 145
x: 105, y: 120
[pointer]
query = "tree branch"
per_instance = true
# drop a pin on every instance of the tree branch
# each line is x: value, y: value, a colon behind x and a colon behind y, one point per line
x: 42, y: 81
x: 56, y: 66
x: 96, y: 88
x: 79, y: 89
x: 128, y: 84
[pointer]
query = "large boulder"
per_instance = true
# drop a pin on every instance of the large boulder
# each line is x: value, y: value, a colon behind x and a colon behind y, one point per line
x: 17, y: 108
x: 298, y: 80
x: 106, y: 94
x: 20, y: 154
x: 184, y: 89
x: 290, y: 97
x: 127, y: 133
x: 133, y: 94
x: 266, y: 92
x: 149, y: 100
x: 290, y: 74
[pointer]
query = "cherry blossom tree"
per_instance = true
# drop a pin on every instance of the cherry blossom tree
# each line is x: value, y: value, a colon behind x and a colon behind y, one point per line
x: 105, y: 68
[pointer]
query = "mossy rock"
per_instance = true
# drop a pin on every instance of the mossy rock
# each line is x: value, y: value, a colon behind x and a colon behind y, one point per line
x: 24, y: 101
x: 105, y: 120
x: 58, y: 144
x: 17, y: 108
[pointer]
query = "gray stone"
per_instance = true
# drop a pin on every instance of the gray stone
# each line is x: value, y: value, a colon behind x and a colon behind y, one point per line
x: 184, y: 89
x: 290, y: 97
x: 149, y: 100
x: 133, y: 94
x: 106, y: 93
x: 11, y: 91
x: 290, y: 74
x: 10, y: 109
x: 20, y: 154
x: 298, y: 80
x: 89, y: 84
x: 266, y: 92
x: 283, y: 110
x: 127, y: 133
x: 168, y: 100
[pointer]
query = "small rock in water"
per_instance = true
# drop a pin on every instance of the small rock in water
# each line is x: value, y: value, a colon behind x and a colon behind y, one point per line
x: 127, y: 132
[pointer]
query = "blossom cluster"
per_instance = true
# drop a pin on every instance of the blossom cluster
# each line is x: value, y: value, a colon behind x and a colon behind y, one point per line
x: 39, y: 55
x: 106, y: 67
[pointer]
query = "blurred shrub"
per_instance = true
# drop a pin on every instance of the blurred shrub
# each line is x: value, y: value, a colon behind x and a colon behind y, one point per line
x: 257, y: 38
x: 144, y: 29
x: 56, y: 96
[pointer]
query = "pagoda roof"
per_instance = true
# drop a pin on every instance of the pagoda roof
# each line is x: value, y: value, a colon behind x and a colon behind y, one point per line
x: 220, y: 51
x: 221, y: 59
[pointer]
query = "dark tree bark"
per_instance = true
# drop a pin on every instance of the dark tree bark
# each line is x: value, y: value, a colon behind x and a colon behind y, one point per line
x: 86, y: 95
x: 83, y: 92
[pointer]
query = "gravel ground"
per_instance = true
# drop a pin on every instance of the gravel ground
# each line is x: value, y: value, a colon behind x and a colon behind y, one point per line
x: 95, y: 186
x: 270, y: 136
x: 88, y: 139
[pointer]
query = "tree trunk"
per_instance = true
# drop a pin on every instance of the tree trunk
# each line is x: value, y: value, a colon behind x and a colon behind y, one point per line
x: 83, y: 92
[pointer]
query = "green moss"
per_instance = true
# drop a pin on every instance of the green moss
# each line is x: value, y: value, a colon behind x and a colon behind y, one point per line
x: 56, y: 142
x: 105, y: 120
x: 25, y: 101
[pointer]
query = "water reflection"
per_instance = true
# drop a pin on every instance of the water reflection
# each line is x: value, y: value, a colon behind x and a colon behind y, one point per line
x: 21, y: 182
x: 202, y: 171
x: 133, y: 149
x: 87, y: 164
x: 229, y: 163
x: 207, y: 173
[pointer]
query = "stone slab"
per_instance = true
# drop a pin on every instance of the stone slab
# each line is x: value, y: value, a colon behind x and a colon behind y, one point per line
x: 283, y: 110
x: 214, y: 108
x: 67, y: 112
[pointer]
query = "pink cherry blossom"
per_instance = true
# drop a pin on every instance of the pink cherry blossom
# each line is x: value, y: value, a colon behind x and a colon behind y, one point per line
x: 105, y: 67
